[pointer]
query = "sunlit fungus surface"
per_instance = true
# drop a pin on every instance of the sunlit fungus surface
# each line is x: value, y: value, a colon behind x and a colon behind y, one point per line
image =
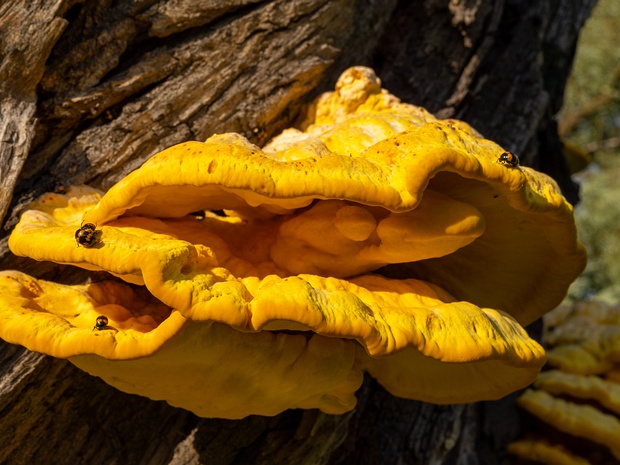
x: 374, y: 239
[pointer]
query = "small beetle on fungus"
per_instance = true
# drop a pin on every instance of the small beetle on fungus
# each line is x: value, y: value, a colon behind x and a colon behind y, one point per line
x: 101, y: 323
x: 87, y: 236
x: 508, y: 159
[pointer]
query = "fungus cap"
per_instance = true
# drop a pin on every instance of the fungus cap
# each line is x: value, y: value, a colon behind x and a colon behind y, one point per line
x: 577, y: 403
x: 579, y: 420
x: 559, y: 383
x: 584, y: 338
x: 542, y: 452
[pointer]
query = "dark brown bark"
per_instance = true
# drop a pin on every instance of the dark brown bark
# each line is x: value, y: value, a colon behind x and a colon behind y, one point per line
x: 89, y: 90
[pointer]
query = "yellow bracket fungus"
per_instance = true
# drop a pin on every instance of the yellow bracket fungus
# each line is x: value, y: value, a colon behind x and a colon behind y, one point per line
x: 585, y: 338
x: 377, y: 239
x: 557, y: 382
x: 575, y: 407
x: 579, y: 420
x: 543, y: 452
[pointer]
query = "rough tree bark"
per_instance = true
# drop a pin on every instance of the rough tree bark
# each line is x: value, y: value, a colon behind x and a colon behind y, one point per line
x: 91, y: 89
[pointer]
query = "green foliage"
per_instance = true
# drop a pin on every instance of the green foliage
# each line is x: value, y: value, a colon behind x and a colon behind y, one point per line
x: 592, y: 102
x: 598, y: 223
x: 593, y: 89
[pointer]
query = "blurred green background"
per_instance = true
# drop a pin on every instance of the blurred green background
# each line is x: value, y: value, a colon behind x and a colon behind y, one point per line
x: 590, y: 127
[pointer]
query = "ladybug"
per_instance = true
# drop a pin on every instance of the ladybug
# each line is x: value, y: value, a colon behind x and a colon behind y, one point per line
x: 101, y: 323
x: 508, y: 159
x: 87, y: 236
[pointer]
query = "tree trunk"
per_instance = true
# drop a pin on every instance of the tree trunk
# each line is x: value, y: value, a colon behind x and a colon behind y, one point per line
x: 91, y: 89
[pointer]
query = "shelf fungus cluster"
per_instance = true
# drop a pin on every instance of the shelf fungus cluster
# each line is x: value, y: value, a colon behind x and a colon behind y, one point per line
x: 574, y: 408
x: 374, y: 239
